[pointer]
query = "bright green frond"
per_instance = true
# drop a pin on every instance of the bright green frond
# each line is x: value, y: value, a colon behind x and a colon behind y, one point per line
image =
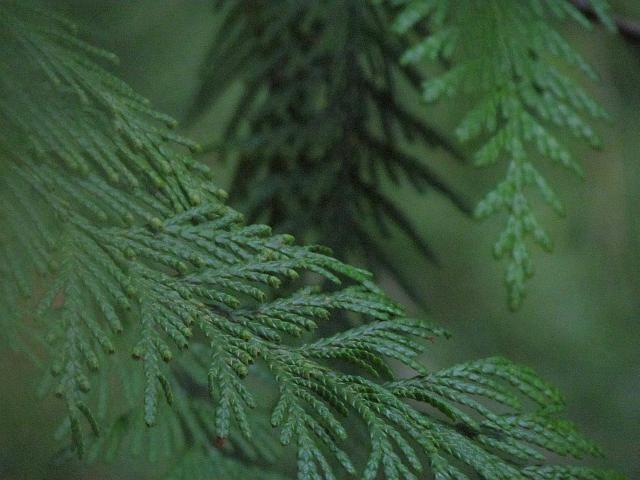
x: 509, y: 62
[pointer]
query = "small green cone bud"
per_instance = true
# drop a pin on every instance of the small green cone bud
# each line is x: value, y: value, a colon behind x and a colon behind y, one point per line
x: 166, y: 354
x: 288, y: 239
x: 195, y: 198
x: 197, y: 260
x: 155, y: 224
x: 241, y: 370
x: 137, y: 352
x: 83, y: 383
x: 222, y: 194
x: 182, y: 267
x: 92, y: 361
x: 109, y: 348
x: 158, y: 183
x: 130, y: 290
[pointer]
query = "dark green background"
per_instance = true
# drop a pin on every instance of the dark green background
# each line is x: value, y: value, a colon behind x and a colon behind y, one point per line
x: 580, y: 325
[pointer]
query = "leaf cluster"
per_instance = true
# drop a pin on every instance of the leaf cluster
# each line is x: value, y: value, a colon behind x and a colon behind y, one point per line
x: 169, y: 326
x: 511, y: 64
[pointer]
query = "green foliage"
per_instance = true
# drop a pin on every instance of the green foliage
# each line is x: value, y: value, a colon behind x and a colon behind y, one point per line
x: 510, y: 61
x: 321, y: 127
x: 116, y: 247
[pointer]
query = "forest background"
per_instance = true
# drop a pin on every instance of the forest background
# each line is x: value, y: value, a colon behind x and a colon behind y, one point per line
x: 578, y: 327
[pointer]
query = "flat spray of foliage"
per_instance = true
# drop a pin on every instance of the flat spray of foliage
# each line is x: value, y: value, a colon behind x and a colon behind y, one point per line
x: 167, y: 325
x: 509, y: 60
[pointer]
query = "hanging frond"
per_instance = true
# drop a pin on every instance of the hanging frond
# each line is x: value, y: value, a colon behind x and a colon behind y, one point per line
x: 510, y: 61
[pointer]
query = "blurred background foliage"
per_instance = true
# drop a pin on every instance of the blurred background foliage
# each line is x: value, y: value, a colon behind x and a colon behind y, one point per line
x: 580, y: 324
